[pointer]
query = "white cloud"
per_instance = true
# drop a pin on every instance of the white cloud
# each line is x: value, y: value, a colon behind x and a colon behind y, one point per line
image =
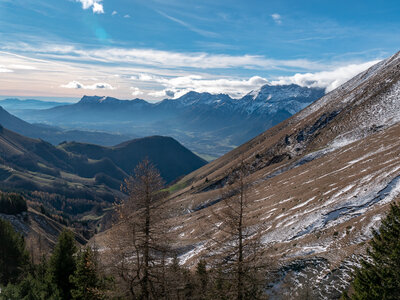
x: 178, y: 86
x: 114, y: 13
x: 21, y: 67
x: 162, y: 94
x: 326, y: 79
x: 136, y: 91
x: 127, y: 16
x: 95, y: 5
x: 277, y: 18
x: 4, y: 70
x: 98, y: 8
x: 145, y: 77
x: 77, y: 85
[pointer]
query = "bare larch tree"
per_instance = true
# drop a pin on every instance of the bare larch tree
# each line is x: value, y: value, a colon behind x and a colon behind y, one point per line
x: 139, y: 245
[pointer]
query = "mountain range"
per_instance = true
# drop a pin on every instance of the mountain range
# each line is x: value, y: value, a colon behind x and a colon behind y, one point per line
x: 317, y: 185
x: 206, y: 123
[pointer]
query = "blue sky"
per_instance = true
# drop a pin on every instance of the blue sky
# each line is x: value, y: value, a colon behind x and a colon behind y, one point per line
x: 163, y: 48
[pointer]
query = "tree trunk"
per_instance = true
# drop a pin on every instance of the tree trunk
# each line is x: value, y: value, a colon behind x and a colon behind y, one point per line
x: 240, y: 237
x: 146, y: 246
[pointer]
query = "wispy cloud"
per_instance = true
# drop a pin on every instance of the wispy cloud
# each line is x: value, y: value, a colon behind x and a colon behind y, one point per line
x: 95, y: 5
x: 96, y: 86
x: 114, y: 13
x: 189, y: 26
x: 277, y: 18
x: 314, y: 38
x: 166, y: 59
x: 21, y: 67
x: 4, y: 70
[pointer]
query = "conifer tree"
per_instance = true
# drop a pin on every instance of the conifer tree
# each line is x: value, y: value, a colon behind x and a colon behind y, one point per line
x: 14, y: 258
x: 62, y: 263
x: 379, y: 276
x: 86, y: 280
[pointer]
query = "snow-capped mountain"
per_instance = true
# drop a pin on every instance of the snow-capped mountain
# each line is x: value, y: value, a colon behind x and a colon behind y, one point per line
x: 266, y: 100
x: 207, y: 123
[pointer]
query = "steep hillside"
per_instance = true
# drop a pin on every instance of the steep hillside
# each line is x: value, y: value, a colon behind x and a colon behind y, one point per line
x: 206, y: 123
x: 318, y: 183
x: 40, y: 231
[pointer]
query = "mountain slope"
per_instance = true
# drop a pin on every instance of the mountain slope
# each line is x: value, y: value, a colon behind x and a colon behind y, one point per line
x: 171, y: 158
x: 206, y: 123
x: 319, y: 182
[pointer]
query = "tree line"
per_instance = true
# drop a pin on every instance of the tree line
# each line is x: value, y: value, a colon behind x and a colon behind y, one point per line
x: 69, y: 273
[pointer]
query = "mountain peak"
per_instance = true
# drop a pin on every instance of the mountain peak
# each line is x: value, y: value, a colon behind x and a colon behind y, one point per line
x: 90, y: 99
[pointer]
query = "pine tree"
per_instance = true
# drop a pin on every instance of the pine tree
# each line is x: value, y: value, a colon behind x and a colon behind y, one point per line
x: 62, y: 263
x: 14, y: 258
x: 86, y: 280
x: 379, y: 276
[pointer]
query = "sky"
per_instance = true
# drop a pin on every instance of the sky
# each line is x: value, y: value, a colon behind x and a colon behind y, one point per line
x: 156, y: 49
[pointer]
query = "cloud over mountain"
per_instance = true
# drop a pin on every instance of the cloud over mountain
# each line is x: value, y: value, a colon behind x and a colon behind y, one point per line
x: 77, y: 85
x: 326, y: 79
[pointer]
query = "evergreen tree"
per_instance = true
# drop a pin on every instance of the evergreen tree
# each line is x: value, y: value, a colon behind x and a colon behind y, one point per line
x: 62, y: 263
x: 14, y: 258
x: 31, y: 287
x: 379, y: 276
x: 87, y: 283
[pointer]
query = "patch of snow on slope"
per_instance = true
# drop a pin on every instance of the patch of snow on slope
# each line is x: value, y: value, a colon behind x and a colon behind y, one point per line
x: 303, y: 204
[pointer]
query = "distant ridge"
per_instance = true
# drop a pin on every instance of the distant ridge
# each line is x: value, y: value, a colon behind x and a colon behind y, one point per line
x: 15, y: 104
x: 56, y: 135
x: 207, y: 123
